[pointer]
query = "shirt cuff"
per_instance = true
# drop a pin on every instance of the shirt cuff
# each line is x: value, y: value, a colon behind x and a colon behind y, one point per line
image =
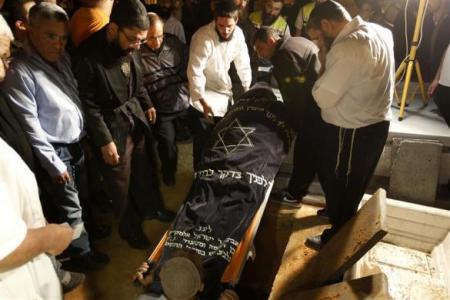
x: 56, y: 168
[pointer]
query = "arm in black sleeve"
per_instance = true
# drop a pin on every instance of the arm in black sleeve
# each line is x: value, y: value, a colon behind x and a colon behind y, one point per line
x: 291, y: 80
x: 97, y: 128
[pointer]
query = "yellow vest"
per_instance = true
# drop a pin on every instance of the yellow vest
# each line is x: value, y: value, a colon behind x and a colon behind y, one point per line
x: 306, y: 12
x: 280, y: 23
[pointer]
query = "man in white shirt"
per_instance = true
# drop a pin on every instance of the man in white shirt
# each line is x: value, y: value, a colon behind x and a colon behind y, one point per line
x: 440, y: 87
x: 213, y: 48
x: 354, y: 94
x: 26, y: 271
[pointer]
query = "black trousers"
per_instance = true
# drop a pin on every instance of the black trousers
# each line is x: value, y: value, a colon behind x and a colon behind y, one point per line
x: 348, y: 158
x: 132, y: 184
x: 201, y: 131
x: 306, y: 156
x: 166, y: 126
x: 442, y: 100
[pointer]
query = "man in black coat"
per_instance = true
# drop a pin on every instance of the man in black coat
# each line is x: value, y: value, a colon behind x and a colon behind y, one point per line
x: 295, y: 67
x: 118, y: 111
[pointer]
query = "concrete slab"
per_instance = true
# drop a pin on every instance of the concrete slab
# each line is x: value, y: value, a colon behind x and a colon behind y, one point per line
x: 373, y: 287
x: 303, y: 268
x: 415, y: 170
x: 412, y: 274
x: 421, y: 122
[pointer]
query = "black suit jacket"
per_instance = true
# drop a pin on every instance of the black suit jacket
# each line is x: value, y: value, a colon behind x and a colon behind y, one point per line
x: 296, y: 66
x: 110, y: 105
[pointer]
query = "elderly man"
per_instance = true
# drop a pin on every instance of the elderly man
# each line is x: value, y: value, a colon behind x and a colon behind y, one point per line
x: 213, y: 48
x: 42, y: 90
x: 118, y: 111
x: 296, y: 67
x: 26, y: 269
x: 164, y: 62
x: 354, y: 94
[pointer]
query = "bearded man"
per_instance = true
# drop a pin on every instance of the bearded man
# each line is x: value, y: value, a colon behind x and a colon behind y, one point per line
x: 213, y: 48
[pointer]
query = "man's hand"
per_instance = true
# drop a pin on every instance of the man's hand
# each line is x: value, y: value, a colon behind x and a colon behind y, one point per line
x: 432, y: 88
x: 110, y: 155
x: 207, y: 111
x: 151, y: 115
x: 59, y: 238
x: 144, y: 281
x: 62, y: 178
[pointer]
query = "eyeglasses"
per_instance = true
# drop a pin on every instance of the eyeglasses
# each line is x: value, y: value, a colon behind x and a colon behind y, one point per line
x: 133, y: 41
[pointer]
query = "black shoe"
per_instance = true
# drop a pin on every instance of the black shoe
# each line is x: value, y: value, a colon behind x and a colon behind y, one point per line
x: 323, y: 213
x: 71, y: 281
x: 91, y: 261
x: 314, y: 242
x: 162, y: 215
x: 99, y: 231
x: 169, y: 180
x: 136, y: 241
x: 288, y: 199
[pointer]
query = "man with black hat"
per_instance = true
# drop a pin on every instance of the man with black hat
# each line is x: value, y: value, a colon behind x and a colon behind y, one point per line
x: 119, y: 112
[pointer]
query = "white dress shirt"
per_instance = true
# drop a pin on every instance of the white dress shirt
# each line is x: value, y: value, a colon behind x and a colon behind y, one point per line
x: 357, y: 87
x: 209, y: 62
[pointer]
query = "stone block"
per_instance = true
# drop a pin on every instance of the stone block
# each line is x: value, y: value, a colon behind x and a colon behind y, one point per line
x: 415, y: 170
x: 303, y: 268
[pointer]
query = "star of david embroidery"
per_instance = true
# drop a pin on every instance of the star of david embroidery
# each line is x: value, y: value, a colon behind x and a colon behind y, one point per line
x: 233, y: 137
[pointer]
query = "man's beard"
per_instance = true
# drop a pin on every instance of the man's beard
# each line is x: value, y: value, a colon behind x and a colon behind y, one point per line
x: 222, y: 39
x: 116, y: 50
x: 267, y: 19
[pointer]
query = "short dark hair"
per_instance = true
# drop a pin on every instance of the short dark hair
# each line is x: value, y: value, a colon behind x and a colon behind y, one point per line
x: 264, y: 33
x: 130, y: 13
x: 47, y: 11
x: 226, y: 8
x: 328, y: 10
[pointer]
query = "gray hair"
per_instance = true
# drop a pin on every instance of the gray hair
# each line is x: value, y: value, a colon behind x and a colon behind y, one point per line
x: 154, y: 18
x: 47, y: 11
x: 5, y: 30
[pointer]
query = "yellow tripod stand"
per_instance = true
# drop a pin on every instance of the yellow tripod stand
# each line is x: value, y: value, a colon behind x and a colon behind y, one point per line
x: 411, y: 61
